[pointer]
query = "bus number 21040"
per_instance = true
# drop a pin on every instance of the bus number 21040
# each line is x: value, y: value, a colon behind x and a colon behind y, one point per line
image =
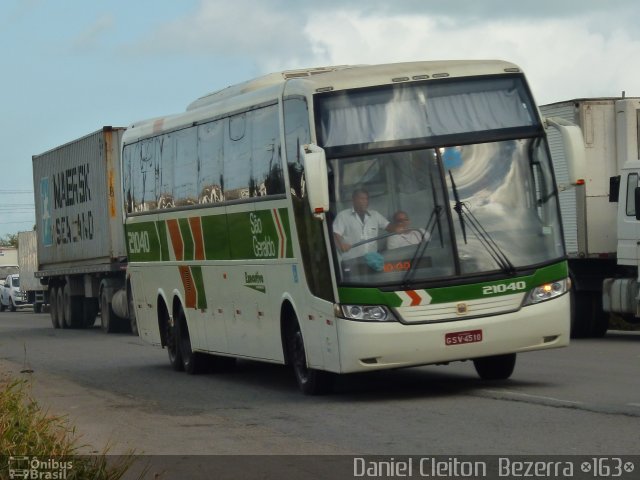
x: 503, y: 288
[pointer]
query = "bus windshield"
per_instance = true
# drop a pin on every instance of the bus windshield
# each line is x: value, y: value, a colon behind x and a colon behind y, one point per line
x: 411, y: 214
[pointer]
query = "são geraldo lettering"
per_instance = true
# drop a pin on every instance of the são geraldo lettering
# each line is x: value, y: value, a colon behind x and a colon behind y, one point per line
x: 262, y: 247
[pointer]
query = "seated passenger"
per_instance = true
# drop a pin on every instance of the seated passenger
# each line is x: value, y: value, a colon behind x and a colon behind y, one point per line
x: 404, y: 235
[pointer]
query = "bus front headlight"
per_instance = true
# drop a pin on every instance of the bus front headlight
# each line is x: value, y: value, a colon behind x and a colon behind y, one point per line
x: 547, y: 292
x: 365, y: 313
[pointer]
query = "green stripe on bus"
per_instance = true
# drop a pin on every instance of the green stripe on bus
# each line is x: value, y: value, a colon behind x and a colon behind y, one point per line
x: 216, y: 237
x: 187, y: 238
x: 161, y: 228
x: 143, y: 244
x: 284, y: 216
x: 196, y: 272
x: 254, y: 235
x: 375, y: 296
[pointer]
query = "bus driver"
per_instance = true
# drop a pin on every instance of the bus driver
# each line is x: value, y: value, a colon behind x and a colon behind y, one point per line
x: 358, y: 223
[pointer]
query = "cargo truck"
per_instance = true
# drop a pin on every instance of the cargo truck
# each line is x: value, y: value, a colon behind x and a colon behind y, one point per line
x: 80, y: 235
x: 35, y: 291
x: 601, y: 233
x: 8, y: 261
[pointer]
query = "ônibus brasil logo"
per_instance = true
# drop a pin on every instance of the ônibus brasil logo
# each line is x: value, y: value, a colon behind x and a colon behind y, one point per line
x: 24, y: 467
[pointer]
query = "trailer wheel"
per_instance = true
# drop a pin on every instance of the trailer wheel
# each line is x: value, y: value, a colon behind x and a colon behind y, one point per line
x: 497, y: 367
x: 107, y: 316
x: 310, y: 381
x: 60, y: 307
x: 72, y: 308
x: 53, y: 307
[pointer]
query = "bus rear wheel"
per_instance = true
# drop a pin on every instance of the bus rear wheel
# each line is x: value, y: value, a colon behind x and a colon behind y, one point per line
x: 192, y: 362
x: 173, y: 344
x: 310, y: 381
x: 497, y: 367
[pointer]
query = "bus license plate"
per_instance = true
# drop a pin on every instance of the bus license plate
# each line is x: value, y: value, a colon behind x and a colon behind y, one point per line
x: 458, y: 338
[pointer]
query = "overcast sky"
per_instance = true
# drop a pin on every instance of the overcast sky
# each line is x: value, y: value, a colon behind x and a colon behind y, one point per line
x: 71, y: 66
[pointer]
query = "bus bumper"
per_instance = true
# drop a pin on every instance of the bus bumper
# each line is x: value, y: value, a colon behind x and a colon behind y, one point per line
x: 366, y: 346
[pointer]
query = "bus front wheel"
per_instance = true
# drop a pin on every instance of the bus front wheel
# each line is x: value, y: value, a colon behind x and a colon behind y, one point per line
x: 498, y: 367
x: 310, y: 381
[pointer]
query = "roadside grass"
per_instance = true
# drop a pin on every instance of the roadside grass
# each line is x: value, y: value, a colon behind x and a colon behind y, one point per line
x: 26, y: 430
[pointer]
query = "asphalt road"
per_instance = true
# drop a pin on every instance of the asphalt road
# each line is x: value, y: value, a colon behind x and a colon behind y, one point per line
x: 584, y: 399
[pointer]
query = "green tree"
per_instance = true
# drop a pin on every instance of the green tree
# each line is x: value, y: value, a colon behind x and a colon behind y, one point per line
x: 9, y: 240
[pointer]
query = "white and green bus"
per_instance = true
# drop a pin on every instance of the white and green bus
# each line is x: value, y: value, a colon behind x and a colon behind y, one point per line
x: 230, y: 212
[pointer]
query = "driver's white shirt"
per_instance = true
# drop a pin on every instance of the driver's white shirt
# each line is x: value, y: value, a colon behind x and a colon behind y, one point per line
x: 353, y: 229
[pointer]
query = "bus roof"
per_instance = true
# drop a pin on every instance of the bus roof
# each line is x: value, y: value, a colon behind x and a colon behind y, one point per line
x: 343, y: 76
x: 313, y: 80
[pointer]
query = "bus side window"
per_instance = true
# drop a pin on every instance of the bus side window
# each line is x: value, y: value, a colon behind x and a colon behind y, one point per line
x: 210, y: 152
x: 237, y: 159
x: 266, y: 160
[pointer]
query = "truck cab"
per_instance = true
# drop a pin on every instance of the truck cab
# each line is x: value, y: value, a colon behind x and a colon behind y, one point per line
x: 598, y: 214
x: 10, y: 294
x: 620, y: 294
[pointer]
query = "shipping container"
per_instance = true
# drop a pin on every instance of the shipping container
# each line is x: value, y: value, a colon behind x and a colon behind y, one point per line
x: 79, y: 204
x: 80, y: 233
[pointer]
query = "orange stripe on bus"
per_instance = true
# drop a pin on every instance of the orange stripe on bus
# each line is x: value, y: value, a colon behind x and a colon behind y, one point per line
x: 190, y: 295
x: 280, y: 232
x: 415, y: 297
x: 176, y: 239
x: 196, y: 233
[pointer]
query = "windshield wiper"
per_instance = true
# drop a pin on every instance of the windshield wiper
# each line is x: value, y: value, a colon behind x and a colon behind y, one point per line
x: 434, y: 219
x: 465, y: 215
x: 432, y: 222
x: 458, y: 207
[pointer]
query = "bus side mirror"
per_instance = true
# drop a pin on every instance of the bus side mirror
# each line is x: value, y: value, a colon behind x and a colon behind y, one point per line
x: 574, y: 151
x: 316, y: 178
